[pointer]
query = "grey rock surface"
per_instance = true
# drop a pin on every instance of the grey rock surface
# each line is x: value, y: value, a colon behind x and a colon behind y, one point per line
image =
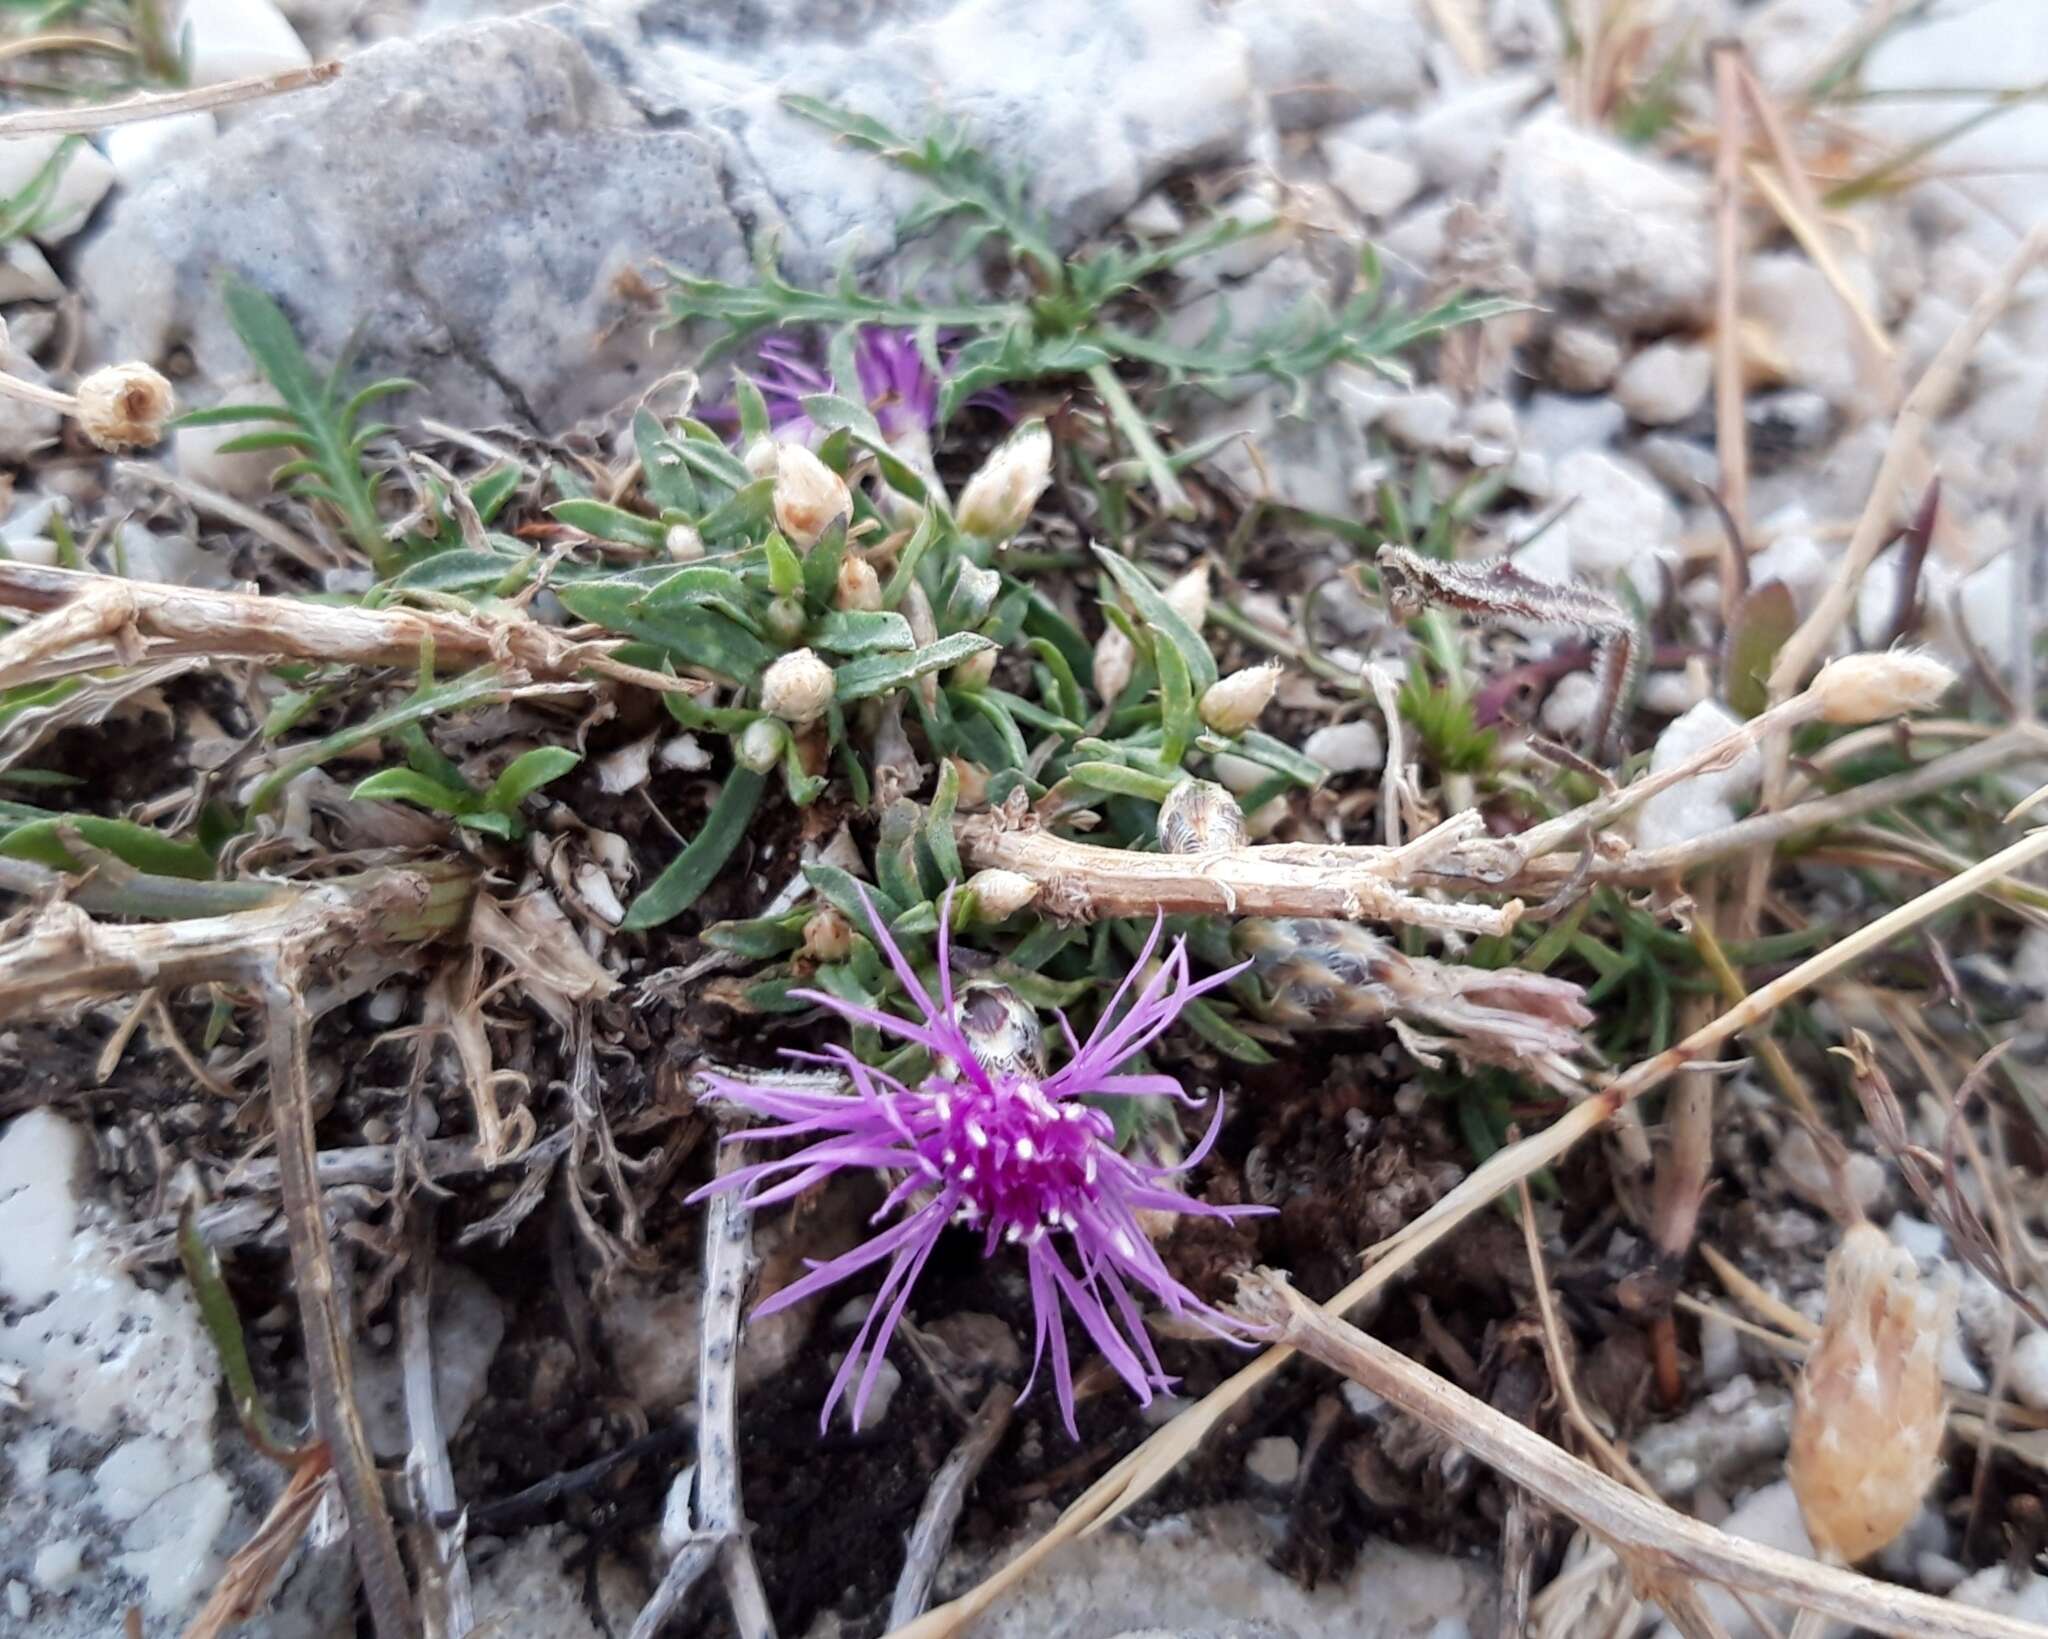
x: 476, y: 201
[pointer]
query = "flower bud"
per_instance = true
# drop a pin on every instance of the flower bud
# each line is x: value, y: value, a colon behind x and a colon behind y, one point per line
x: 797, y: 687
x: 974, y: 672
x: 973, y: 595
x: 125, y: 406
x: 809, y: 496
x: 828, y: 936
x: 1188, y: 596
x: 1870, y: 688
x: 1115, y: 660
x: 1198, y: 816
x: 786, y: 619
x: 1232, y: 705
x: 1002, y: 1029
x: 860, y: 588
x: 998, y: 499
x: 684, y: 544
x: 760, y: 458
x: 999, y: 895
x: 973, y: 782
x: 759, y: 747
x: 1868, y: 1410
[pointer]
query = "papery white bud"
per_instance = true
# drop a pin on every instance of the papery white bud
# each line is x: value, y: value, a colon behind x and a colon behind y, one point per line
x: 797, y: 687
x: 125, y: 406
x: 1868, y: 1409
x: 1115, y: 659
x: 808, y: 496
x: 1232, y: 704
x: 1188, y: 596
x: 759, y: 747
x: 973, y: 782
x: 975, y: 671
x: 1870, y: 688
x: 998, y: 499
x: 1000, y: 894
x: 860, y: 588
x: 684, y: 544
x: 760, y: 459
x: 828, y: 936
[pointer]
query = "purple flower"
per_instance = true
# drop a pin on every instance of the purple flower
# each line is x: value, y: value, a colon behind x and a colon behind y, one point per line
x: 990, y: 1142
x: 896, y: 384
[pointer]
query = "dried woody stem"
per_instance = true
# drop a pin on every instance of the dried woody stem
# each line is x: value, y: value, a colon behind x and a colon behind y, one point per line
x: 447, y: 1607
x: 933, y: 1533
x: 1138, y: 1473
x: 329, y: 1368
x: 153, y: 105
x: 1653, y: 1539
x: 1083, y: 882
x: 89, y: 621
x: 716, y: 1529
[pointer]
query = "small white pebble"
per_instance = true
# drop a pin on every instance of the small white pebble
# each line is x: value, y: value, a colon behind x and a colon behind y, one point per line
x: 58, y: 1563
x: 1347, y: 748
x: 2029, y: 1370
x: 1274, y: 1461
x: 1568, y: 708
x: 1919, y: 1237
x: 686, y: 753
x: 17, y: 1600
x: 1362, y: 1401
x: 887, y: 1381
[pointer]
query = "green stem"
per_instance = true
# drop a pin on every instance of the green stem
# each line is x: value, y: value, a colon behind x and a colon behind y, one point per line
x: 1172, y: 498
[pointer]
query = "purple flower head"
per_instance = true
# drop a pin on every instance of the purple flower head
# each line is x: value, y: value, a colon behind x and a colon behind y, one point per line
x: 896, y: 384
x: 990, y: 1142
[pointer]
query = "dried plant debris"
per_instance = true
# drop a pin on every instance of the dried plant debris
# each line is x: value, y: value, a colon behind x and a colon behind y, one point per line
x: 824, y: 933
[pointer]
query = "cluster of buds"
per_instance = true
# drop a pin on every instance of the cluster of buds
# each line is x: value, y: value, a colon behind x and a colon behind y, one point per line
x: 1868, y: 1410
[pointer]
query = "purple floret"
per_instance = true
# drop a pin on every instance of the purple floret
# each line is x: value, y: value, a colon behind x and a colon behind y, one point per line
x: 1024, y: 1161
x: 896, y: 384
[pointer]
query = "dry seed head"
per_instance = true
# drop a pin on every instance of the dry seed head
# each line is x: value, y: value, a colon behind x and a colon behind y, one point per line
x: 1232, y: 704
x: 860, y: 588
x: 998, y: 499
x: 1871, y: 688
x: 809, y: 496
x: 1199, y: 815
x: 1868, y: 1408
x: 1001, y: 894
x: 125, y: 406
x: 797, y: 687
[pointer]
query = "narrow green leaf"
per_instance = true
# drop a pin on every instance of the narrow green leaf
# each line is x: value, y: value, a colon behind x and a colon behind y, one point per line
x: 878, y: 674
x: 664, y: 474
x: 409, y: 785
x: 862, y: 631
x: 692, y: 871
x: 694, y: 636
x: 1120, y: 780
x: 839, y: 889
x: 42, y: 841
x: 527, y: 773
x: 1159, y: 615
x: 610, y: 523
x: 1764, y: 622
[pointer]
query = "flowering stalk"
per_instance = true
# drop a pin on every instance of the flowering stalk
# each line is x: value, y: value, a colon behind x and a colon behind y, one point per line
x: 991, y: 1142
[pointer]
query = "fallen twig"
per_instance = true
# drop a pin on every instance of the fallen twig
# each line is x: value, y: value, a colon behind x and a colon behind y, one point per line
x: 1082, y: 882
x: 88, y: 621
x: 448, y: 1609
x: 329, y: 1370
x: 715, y: 1528
x: 933, y: 1533
x: 1649, y: 1535
x: 154, y: 105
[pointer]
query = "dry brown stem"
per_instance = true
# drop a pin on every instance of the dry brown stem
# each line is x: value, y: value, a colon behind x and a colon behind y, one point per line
x: 1653, y: 1539
x: 87, y: 621
x: 153, y: 105
x: 329, y: 1366
x: 1731, y: 431
x: 1085, y: 883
